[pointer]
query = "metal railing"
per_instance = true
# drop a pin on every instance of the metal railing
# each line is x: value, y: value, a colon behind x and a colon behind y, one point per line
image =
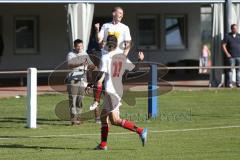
x: 141, y: 68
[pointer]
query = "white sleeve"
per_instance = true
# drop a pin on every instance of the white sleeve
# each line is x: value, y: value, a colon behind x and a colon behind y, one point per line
x: 103, y: 52
x: 101, y: 34
x: 104, y: 65
x: 129, y: 65
x: 127, y: 35
x: 70, y: 56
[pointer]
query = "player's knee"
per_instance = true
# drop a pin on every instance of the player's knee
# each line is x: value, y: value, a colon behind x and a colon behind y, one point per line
x: 115, y: 122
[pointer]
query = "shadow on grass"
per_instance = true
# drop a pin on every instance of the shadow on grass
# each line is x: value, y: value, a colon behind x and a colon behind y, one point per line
x: 13, y: 119
x: 42, y: 137
x: 21, y: 146
x: 5, y: 127
x: 34, y: 147
x: 40, y: 121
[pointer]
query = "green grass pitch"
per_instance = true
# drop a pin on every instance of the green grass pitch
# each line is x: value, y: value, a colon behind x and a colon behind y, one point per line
x: 192, y: 125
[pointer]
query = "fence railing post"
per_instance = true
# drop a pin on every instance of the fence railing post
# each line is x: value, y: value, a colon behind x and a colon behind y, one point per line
x: 32, y: 98
x: 153, y: 92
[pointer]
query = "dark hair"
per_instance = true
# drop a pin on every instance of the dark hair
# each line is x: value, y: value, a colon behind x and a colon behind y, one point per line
x: 112, y: 42
x: 77, y: 41
x: 233, y: 25
x: 116, y: 8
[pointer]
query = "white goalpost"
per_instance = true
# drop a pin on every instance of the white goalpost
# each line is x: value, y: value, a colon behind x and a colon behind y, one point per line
x: 32, y: 98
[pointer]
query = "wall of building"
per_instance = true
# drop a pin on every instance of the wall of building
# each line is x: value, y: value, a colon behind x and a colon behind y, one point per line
x: 53, y: 40
x: 53, y: 37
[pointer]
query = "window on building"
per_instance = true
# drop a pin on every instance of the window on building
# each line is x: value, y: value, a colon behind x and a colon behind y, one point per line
x: 175, y: 32
x: 147, y: 32
x: 26, y: 34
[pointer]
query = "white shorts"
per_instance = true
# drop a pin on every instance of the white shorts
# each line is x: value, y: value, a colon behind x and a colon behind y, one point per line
x: 112, y: 102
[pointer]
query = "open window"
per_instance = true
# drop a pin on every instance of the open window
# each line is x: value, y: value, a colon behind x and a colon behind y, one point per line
x: 175, y: 32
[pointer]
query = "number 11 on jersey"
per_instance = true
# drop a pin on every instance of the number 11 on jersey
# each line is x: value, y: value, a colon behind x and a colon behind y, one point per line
x: 117, y: 66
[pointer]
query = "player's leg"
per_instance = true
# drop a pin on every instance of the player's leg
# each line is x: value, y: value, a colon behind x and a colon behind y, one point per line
x: 80, y: 96
x: 104, y: 129
x: 114, y: 117
x: 97, y: 115
x: 80, y: 89
x: 70, y: 99
x: 95, y: 105
x: 97, y: 96
x: 79, y: 105
x: 104, y: 124
x: 97, y: 90
x: 117, y: 121
x: 79, y: 108
x: 81, y: 93
x: 73, y: 91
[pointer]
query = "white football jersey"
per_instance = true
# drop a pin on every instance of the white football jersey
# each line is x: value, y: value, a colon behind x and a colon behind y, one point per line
x: 120, y: 30
x: 114, y: 65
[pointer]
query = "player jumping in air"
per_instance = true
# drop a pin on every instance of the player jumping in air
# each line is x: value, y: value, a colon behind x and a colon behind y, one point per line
x: 119, y: 30
x: 113, y: 66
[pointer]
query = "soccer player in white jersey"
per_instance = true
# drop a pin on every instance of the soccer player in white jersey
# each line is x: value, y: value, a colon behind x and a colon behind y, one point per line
x: 122, y: 32
x: 116, y: 28
x: 113, y: 66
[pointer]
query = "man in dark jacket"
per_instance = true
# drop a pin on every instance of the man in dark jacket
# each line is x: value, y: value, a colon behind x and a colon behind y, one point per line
x: 231, y: 48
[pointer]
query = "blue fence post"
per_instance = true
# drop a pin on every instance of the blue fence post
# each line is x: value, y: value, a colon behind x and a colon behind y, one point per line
x: 153, y: 92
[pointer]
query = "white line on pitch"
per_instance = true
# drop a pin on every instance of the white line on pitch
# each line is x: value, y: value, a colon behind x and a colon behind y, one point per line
x: 196, y: 129
x: 123, y: 133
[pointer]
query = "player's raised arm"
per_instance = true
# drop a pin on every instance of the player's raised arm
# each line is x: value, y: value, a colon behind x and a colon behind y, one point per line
x: 131, y: 67
x: 127, y: 41
x: 140, y: 56
x: 127, y: 48
x: 99, y: 33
